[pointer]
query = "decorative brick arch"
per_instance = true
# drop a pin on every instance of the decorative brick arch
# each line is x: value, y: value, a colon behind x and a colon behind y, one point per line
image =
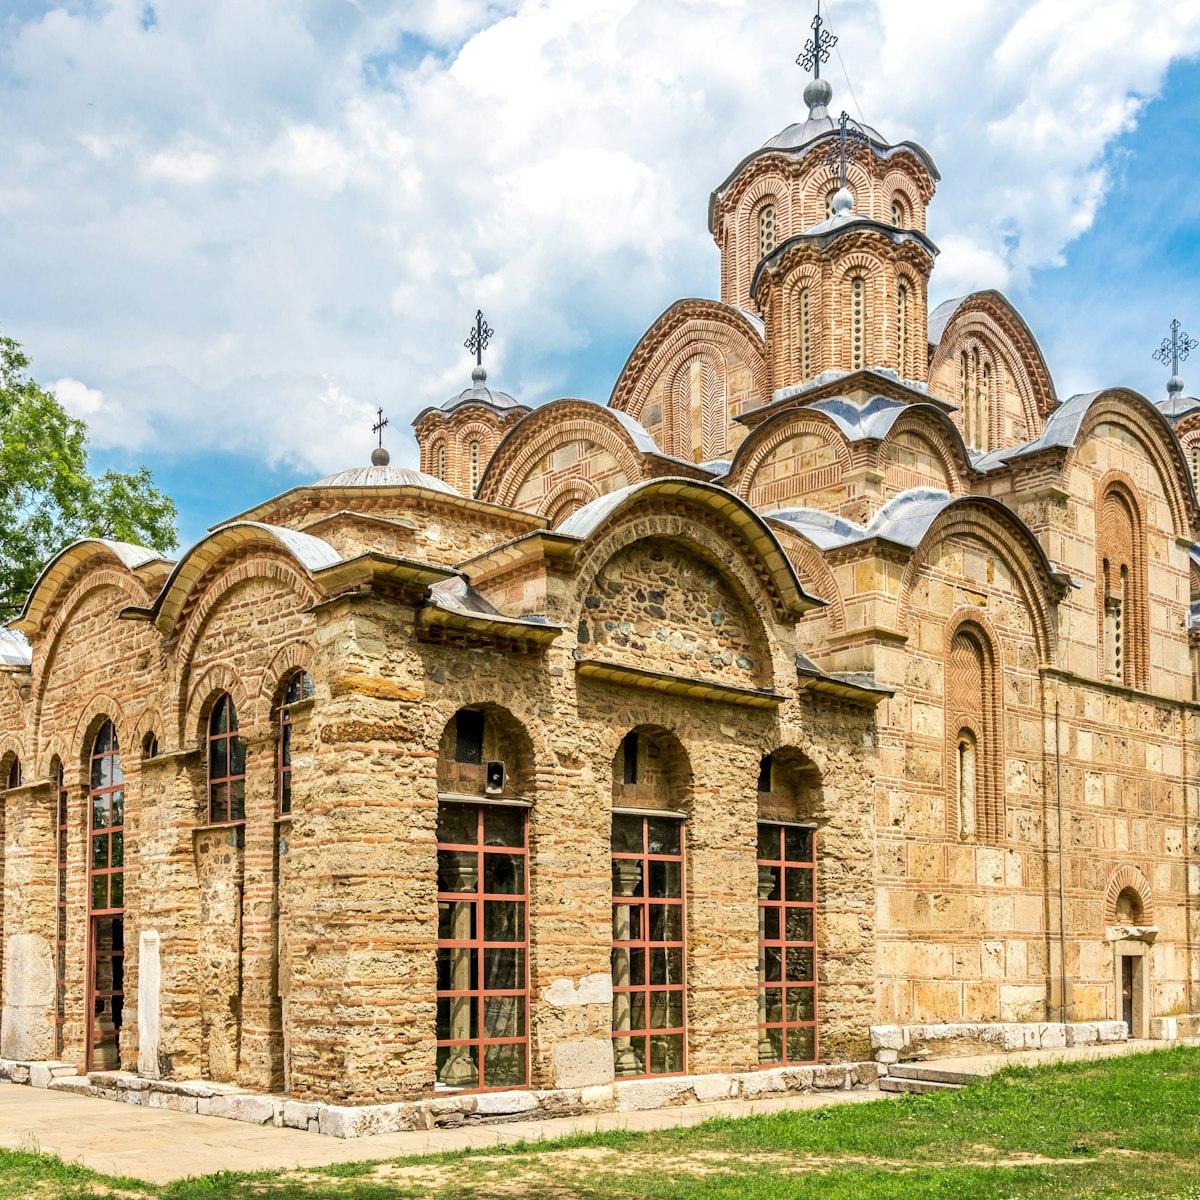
x: 774, y: 432
x: 686, y: 328
x: 817, y: 576
x: 100, y: 708
x: 1123, y: 878
x: 991, y: 525
x: 1133, y: 413
x: 568, y: 498
x: 547, y: 428
x: 1122, y: 543
x: 295, y: 656
x: 942, y: 437
x: 203, y: 693
x: 992, y: 320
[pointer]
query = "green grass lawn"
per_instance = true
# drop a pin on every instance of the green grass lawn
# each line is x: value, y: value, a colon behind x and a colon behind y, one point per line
x: 1124, y: 1127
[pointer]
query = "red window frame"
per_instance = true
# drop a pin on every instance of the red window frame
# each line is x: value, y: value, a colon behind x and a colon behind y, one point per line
x: 226, y: 765
x: 60, y: 914
x: 106, y: 896
x: 473, y: 962
x: 649, y: 946
x: 787, y: 954
x: 299, y: 688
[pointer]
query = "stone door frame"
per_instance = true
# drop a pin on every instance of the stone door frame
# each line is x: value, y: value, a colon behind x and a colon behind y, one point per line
x: 1135, y: 944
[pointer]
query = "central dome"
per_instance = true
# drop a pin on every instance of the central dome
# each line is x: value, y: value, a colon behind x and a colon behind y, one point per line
x: 385, y: 476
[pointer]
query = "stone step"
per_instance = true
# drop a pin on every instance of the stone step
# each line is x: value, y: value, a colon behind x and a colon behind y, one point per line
x: 920, y: 1087
x: 929, y: 1073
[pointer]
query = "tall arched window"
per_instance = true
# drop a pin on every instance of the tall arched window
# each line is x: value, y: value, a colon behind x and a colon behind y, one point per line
x: 902, y: 329
x: 15, y: 776
x: 964, y: 398
x: 474, y: 455
x: 299, y: 688
x: 441, y: 461
x: 106, y: 901
x: 806, y: 338
x: 226, y: 765
x: 1196, y: 465
x: 858, y: 289
x: 829, y: 195
x: 1121, y: 571
x: 767, y: 237
x: 898, y: 213
x: 974, y: 758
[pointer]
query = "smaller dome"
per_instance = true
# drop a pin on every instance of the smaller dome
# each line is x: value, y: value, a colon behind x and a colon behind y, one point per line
x: 385, y: 476
x: 480, y: 393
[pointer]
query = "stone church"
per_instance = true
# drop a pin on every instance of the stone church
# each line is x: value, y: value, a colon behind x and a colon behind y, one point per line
x: 836, y: 673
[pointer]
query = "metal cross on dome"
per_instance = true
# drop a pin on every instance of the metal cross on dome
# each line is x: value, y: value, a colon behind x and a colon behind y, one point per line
x: 379, y: 426
x: 817, y: 48
x: 851, y: 142
x: 1176, y: 348
x: 481, y: 335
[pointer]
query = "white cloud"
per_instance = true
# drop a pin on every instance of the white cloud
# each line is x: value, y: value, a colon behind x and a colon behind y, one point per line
x: 78, y: 399
x: 250, y: 224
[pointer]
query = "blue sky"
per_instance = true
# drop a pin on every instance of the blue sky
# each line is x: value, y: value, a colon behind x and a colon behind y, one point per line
x: 229, y: 231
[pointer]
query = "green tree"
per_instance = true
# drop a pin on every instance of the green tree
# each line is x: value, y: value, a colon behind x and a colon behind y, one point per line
x: 48, y: 497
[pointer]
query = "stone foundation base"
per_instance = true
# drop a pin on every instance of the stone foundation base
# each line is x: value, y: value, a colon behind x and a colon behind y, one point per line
x: 1167, y: 1029
x: 257, y: 1108
x: 903, y: 1043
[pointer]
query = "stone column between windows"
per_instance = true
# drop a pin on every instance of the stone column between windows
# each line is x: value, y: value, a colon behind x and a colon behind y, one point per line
x: 259, y: 1059
x: 360, y: 885
x: 27, y: 921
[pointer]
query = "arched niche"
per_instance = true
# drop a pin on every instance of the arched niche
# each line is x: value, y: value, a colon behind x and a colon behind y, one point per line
x: 789, y: 787
x: 485, y: 752
x: 650, y: 769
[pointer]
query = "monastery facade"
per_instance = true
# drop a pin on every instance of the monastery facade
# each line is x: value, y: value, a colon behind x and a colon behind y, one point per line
x: 836, y: 673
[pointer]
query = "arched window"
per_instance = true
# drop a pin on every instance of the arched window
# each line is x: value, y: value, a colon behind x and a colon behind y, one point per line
x: 60, y: 938
x: 902, y: 329
x: 226, y: 765
x: 474, y: 453
x: 14, y: 773
x: 1129, y: 907
x: 106, y: 901
x: 1196, y: 465
x: 1122, y: 567
x: 898, y: 212
x: 979, y: 420
x: 858, y: 289
x: 441, y: 460
x: 964, y: 397
x: 299, y: 688
x: 806, y: 338
x: 767, y: 238
x: 150, y: 745
x: 967, y: 782
x: 829, y: 195
x: 974, y: 758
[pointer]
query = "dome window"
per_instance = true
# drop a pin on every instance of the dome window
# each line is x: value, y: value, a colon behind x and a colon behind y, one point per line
x: 767, y: 231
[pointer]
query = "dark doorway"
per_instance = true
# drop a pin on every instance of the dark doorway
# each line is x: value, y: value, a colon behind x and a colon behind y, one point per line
x: 1127, y: 992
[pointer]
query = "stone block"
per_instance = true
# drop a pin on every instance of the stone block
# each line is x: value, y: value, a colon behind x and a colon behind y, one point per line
x: 173, y: 1101
x: 1052, y: 1035
x: 637, y: 1095
x: 887, y: 1056
x: 254, y: 1110
x: 762, y: 1083
x: 504, y: 1104
x: 598, y: 1098
x: 1112, y: 1031
x: 19, y: 1073
x: 1164, y: 1029
x: 864, y: 1074
x: 583, y: 1063
x: 887, y: 1037
x: 336, y: 1120
x: 831, y: 1078
x: 297, y: 1115
x: 709, y: 1088
x: 1082, y: 1033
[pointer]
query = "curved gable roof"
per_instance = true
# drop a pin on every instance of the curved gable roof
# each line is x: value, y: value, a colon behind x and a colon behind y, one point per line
x: 310, y: 553
x: 60, y: 568
x: 733, y: 509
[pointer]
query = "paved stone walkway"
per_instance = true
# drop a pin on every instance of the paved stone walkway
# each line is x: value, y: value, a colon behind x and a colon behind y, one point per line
x: 159, y: 1145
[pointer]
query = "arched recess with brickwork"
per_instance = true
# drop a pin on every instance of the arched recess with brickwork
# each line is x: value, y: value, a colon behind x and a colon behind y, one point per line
x: 998, y: 532
x: 1132, y: 417
x: 994, y: 337
x: 700, y: 357
x: 1124, y: 880
x: 817, y: 578
x: 565, y: 454
x: 923, y: 448
x: 796, y: 457
x: 672, y: 572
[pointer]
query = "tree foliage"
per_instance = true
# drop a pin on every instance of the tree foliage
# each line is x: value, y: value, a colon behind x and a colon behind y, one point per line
x: 48, y: 496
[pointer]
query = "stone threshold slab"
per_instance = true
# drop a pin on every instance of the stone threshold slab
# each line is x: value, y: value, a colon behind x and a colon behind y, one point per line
x: 442, y: 1112
x: 902, y: 1043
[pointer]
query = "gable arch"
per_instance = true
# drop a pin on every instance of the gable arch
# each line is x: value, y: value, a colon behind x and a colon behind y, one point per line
x: 768, y: 439
x: 937, y: 432
x: 1135, y: 415
x: 988, y: 523
x: 557, y: 425
x: 688, y: 328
